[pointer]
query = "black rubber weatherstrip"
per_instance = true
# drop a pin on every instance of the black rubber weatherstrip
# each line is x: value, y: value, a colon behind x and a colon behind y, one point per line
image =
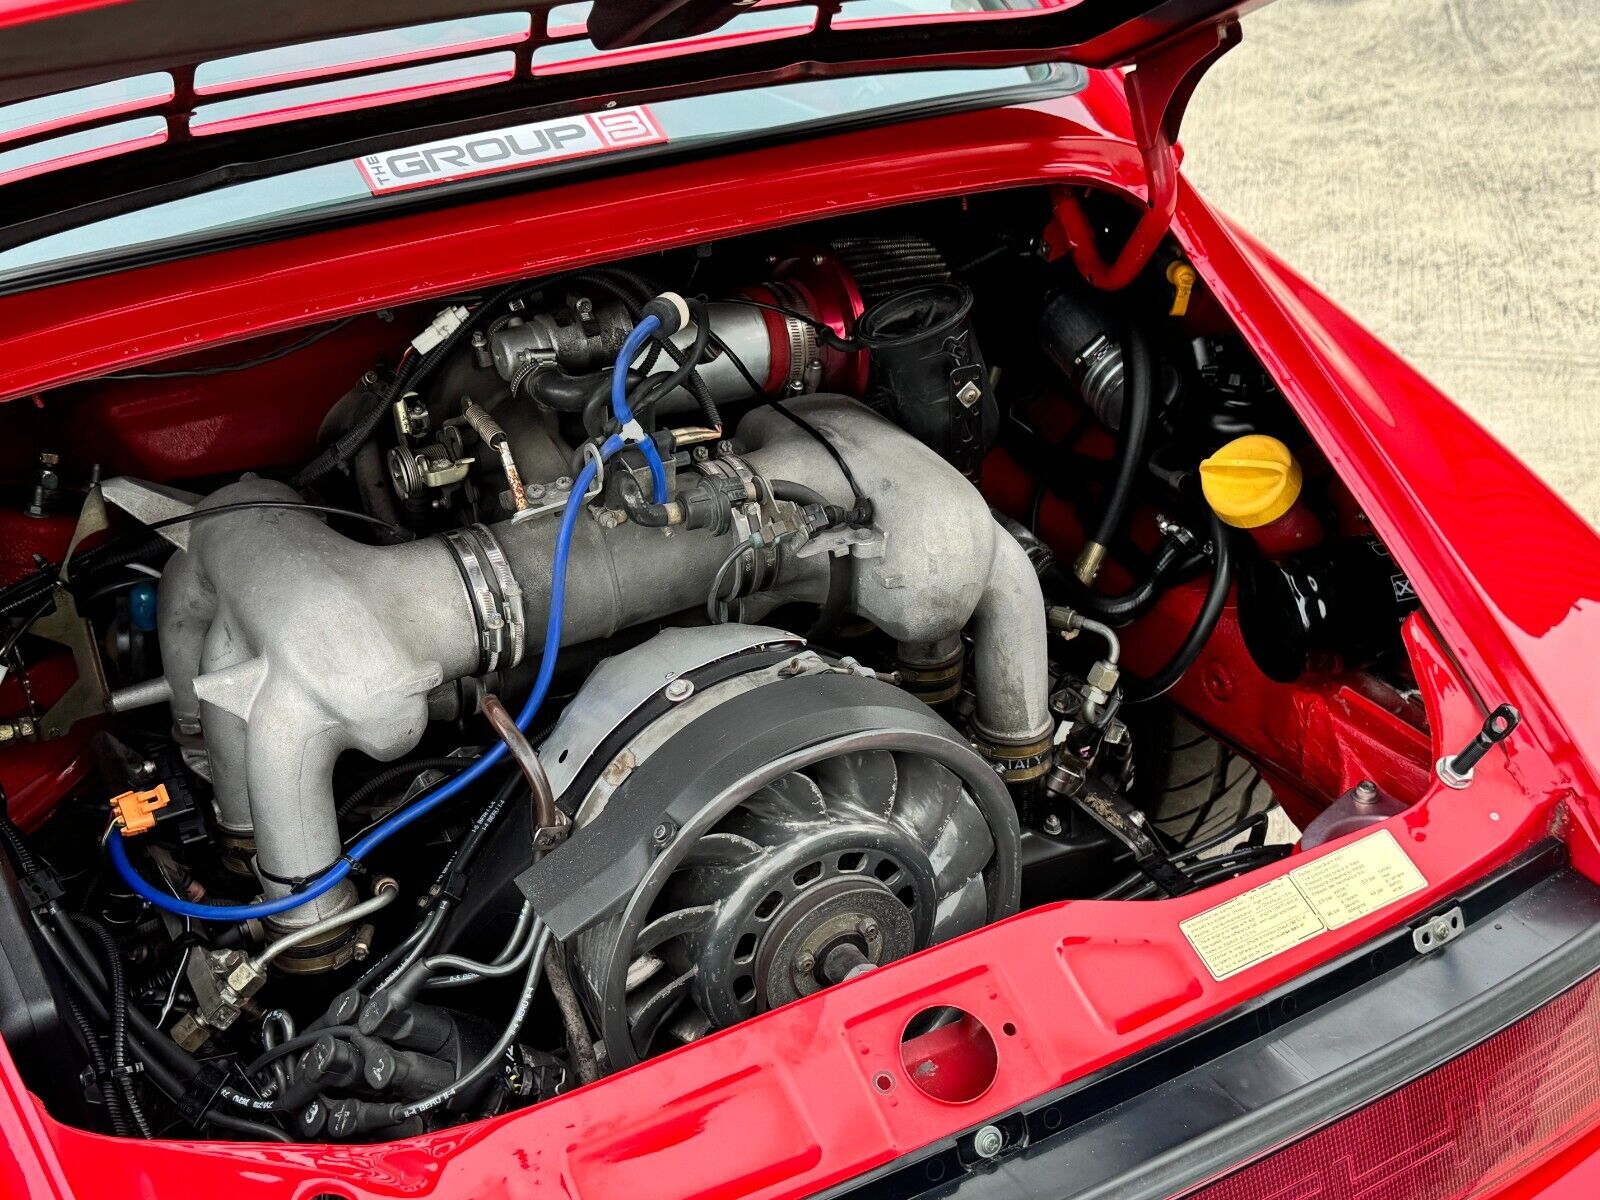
x: 1287, y: 1064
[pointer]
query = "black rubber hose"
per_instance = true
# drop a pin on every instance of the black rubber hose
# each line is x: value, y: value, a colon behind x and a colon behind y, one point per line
x: 554, y: 388
x: 374, y: 488
x: 1205, y: 623
x: 798, y: 493
x: 1140, y: 370
x: 618, y: 281
x: 117, y: 987
x: 685, y: 370
x: 1172, y: 561
x: 179, y: 1063
x: 299, y: 1042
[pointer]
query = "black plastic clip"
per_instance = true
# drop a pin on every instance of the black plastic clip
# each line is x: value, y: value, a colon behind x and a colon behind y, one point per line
x: 205, y: 1087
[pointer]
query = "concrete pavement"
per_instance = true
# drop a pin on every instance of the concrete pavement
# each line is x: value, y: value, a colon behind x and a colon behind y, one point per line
x: 1434, y: 165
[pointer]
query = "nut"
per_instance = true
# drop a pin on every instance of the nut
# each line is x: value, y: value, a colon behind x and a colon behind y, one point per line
x: 1103, y: 675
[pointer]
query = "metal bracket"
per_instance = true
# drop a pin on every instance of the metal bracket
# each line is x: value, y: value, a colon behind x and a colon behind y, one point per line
x: 89, y: 693
x: 853, y: 540
x: 1132, y: 828
x: 1439, y: 931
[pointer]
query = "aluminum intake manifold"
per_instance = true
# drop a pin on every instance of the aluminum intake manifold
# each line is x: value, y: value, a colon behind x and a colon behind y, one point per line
x: 286, y: 643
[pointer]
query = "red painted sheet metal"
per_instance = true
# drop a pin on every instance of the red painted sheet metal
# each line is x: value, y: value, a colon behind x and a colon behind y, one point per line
x: 1508, y: 572
x: 78, y: 330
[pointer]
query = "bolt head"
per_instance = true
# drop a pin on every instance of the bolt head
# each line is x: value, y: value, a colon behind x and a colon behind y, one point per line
x: 679, y: 690
x: 988, y: 1141
x: 868, y: 928
x: 804, y: 964
x: 969, y: 394
x: 661, y: 834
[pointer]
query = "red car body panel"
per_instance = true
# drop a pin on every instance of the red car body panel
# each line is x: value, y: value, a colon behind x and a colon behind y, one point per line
x: 813, y: 1094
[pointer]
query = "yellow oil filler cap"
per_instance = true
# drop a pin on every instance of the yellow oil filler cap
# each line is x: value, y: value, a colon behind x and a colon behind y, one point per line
x: 1252, y: 481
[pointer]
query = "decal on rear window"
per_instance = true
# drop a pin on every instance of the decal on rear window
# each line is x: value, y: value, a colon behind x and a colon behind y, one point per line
x: 515, y: 147
x: 1324, y: 894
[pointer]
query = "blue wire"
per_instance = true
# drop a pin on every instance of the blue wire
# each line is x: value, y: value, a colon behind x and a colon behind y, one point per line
x: 418, y: 809
x: 631, y: 346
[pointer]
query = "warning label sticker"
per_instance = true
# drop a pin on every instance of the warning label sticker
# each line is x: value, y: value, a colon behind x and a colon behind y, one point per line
x: 1320, y: 896
x: 535, y: 144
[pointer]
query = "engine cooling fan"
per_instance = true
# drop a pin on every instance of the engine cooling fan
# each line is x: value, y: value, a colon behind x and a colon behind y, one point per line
x: 777, y: 833
x: 852, y: 862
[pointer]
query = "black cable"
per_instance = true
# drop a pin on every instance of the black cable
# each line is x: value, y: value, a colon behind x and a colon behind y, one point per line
x: 331, y: 510
x: 20, y: 630
x: 371, y: 787
x: 177, y: 1062
x: 1213, y: 870
x: 863, y: 514
x: 825, y: 332
x: 117, y: 982
x: 115, y: 1113
x: 172, y: 1068
x: 1256, y: 820
x: 227, y: 368
x: 299, y: 1042
x: 447, y: 884
x: 686, y: 371
x: 409, y: 376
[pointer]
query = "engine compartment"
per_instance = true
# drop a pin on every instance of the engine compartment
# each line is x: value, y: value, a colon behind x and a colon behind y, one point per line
x: 849, y: 620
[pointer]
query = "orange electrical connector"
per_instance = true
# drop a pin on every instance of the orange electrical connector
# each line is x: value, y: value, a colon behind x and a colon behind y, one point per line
x: 135, y: 812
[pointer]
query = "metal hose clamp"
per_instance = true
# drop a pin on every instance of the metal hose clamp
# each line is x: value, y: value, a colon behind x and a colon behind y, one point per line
x: 495, y: 594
